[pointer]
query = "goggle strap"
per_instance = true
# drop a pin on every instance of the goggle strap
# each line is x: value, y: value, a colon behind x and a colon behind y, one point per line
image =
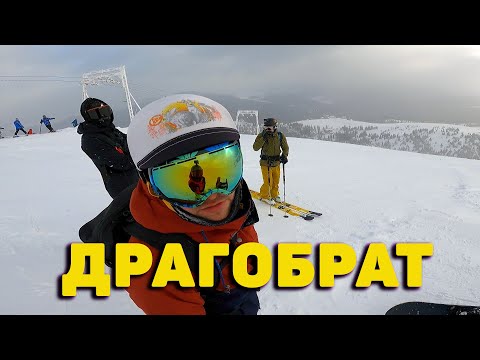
x: 168, y: 204
x: 151, y: 190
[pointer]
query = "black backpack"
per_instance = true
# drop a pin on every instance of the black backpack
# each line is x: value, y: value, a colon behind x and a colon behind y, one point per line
x: 115, y: 224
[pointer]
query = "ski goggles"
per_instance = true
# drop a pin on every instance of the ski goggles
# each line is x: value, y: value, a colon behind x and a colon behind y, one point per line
x: 100, y: 112
x: 190, y: 179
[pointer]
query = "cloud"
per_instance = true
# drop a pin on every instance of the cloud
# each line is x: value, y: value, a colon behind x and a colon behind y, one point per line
x: 356, y: 74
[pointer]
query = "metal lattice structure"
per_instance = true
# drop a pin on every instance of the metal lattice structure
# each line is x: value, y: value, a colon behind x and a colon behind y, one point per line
x: 248, y: 112
x: 112, y: 76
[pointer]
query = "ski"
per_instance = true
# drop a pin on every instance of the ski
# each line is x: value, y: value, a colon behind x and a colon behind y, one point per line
x: 292, y: 210
x: 302, y: 210
x: 430, y: 308
x: 288, y: 208
x: 289, y: 211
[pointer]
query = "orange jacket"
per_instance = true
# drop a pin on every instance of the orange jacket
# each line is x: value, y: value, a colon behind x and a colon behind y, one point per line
x: 173, y: 299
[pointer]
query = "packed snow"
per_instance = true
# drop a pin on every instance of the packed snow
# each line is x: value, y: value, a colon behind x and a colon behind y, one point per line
x: 366, y: 194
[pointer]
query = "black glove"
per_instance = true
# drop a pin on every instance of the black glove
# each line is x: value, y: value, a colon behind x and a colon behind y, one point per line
x: 283, y: 159
x: 264, y: 134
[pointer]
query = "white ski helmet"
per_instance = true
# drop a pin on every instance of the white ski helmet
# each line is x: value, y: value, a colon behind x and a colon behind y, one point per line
x: 175, y: 125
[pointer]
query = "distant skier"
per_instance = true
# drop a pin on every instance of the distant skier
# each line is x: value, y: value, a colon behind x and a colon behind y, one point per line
x: 18, y: 127
x: 46, y: 121
x: 75, y: 123
x: 1, y: 128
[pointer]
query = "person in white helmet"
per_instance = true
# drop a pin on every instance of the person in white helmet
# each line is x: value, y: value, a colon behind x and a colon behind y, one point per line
x: 187, y: 151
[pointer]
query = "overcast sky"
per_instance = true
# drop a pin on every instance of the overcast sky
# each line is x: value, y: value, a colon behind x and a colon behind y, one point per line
x: 433, y: 82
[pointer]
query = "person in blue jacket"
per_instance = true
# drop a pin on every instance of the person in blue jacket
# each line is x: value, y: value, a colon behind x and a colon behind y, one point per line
x: 18, y: 126
x: 46, y: 121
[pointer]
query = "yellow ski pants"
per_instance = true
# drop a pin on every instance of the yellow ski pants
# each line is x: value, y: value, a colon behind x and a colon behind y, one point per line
x: 271, y: 192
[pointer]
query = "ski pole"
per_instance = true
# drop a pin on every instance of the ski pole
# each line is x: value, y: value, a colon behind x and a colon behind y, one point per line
x: 283, y: 165
x: 40, y: 128
x: 269, y: 192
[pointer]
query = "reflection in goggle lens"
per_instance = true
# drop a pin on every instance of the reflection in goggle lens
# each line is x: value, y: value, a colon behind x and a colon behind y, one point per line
x: 215, y: 169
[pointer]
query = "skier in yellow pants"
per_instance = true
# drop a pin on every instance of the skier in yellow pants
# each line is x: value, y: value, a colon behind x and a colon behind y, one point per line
x: 274, y: 151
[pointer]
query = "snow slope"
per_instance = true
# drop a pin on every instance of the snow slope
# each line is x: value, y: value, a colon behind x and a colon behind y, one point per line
x: 366, y: 194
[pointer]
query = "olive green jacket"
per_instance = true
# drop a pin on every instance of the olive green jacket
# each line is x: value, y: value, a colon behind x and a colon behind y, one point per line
x: 271, y: 149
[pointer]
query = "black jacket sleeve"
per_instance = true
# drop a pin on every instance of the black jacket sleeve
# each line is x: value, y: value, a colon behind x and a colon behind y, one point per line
x: 104, y: 154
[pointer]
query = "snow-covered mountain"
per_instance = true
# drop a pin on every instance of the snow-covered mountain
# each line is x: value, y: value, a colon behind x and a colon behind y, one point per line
x: 427, y: 138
